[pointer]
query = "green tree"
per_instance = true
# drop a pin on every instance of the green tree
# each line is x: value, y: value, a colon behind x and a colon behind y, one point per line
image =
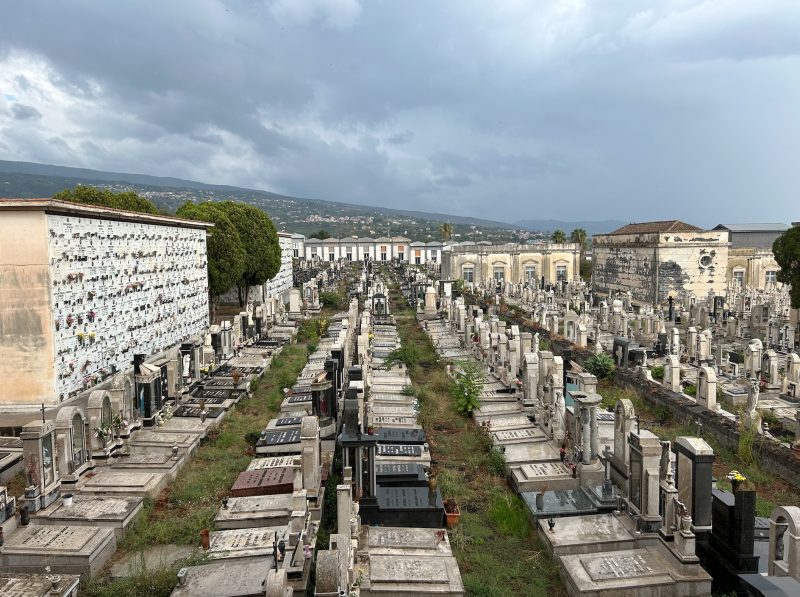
x: 447, y: 231
x: 580, y: 237
x: 226, y: 254
x: 786, y: 249
x: 87, y: 195
x: 321, y: 234
x: 260, y: 241
x: 468, y: 386
x: 558, y: 236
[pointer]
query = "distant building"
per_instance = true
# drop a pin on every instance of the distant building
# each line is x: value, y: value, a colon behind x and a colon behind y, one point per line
x: 84, y: 288
x: 656, y: 260
x: 483, y: 263
x: 750, y: 259
x: 354, y: 248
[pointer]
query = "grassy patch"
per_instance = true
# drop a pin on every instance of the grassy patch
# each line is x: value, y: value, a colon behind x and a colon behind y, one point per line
x: 497, y: 550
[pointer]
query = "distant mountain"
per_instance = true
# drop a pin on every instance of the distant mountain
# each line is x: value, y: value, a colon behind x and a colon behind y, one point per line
x: 592, y: 228
x: 295, y: 214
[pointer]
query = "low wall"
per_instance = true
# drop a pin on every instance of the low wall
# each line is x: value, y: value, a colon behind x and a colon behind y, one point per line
x: 768, y: 454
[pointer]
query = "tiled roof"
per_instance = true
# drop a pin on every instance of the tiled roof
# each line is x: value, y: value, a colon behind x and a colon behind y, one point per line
x: 655, y: 227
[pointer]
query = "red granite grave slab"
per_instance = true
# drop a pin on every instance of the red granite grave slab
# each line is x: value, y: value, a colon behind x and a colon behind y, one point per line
x: 266, y: 481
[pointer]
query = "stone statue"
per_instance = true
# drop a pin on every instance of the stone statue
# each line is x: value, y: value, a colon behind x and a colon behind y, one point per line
x: 665, y: 468
x: 559, y: 422
x: 752, y: 396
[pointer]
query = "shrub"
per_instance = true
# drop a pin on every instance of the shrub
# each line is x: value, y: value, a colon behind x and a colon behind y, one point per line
x: 497, y: 462
x: 467, y: 388
x: 690, y: 390
x: 657, y: 372
x: 600, y: 365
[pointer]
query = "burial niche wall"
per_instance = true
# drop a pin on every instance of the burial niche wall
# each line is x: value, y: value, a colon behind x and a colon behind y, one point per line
x: 113, y: 287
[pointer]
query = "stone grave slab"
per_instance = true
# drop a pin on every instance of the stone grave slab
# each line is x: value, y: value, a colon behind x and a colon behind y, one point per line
x: 405, y: 541
x: 116, y: 513
x: 265, y: 481
x: 650, y: 570
x: 115, y: 483
x: 562, y: 502
x: 411, y: 575
x: 150, y: 441
x: 245, y: 543
x: 226, y: 578
x: 394, y: 421
x: 385, y: 388
x: 531, y: 452
x: 392, y: 399
x: 284, y: 422
x: 37, y: 585
x: 190, y: 425
x: 271, y: 462
x: 487, y: 411
x: 388, y: 435
x: 518, y: 436
x: 280, y: 441
x: 189, y: 410
x: 66, y: 549
x: 211, y: 397
x: 403, y: 474
x: 542, y: 475
x: 507, y: 422
x: 255, y: 511
x: 161, y: 462
x: 490, y: 397
x: 392, y: 409
x: 591, y: 534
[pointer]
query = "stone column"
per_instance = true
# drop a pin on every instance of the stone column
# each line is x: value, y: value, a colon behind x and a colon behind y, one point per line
x: 594, y: 432
x: 586, y: 443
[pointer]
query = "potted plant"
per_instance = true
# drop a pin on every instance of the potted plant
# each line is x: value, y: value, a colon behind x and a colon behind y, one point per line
x: 736, y: 479
x: 102, y: 434
x: 237, y: 376
x: 32, y: 476
x: 452, y: 513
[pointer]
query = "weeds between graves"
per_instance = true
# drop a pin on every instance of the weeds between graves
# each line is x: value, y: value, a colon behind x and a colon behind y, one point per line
x: 497, y: 550
x: 190, y: 503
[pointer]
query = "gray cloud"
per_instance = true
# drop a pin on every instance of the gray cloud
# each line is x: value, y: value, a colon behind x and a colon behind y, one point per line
x: 606, y: 108
x: 23, y: 112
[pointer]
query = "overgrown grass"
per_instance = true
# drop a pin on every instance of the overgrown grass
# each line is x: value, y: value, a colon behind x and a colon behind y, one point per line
x: 495, y: 544
x: 190, y: 503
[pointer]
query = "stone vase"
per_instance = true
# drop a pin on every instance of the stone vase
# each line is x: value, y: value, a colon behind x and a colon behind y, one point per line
x: 540, y: 500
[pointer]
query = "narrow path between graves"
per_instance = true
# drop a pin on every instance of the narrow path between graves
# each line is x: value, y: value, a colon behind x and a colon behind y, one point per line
x: 497, y: 550
x: 189, y: 504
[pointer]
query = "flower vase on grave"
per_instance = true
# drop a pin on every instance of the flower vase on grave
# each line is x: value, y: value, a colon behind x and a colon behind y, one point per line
x: 540, y: 500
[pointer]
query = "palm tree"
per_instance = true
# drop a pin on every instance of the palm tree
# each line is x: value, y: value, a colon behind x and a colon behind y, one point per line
x: 447, y: 231
x: 580, y: 237
x: 558, y: 237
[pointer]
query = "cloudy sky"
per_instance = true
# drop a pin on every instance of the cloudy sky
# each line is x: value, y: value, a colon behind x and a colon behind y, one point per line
x: 571, y: 109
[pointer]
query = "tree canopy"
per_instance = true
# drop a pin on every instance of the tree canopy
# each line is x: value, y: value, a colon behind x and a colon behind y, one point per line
x: 321, y: 234
x: 105, y: 198
x: 786, y: 249
x: 447, y: 231
x: 260, y: 241
x: 558, y: 236
x: 580, y: 237
x: 226, y: 253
